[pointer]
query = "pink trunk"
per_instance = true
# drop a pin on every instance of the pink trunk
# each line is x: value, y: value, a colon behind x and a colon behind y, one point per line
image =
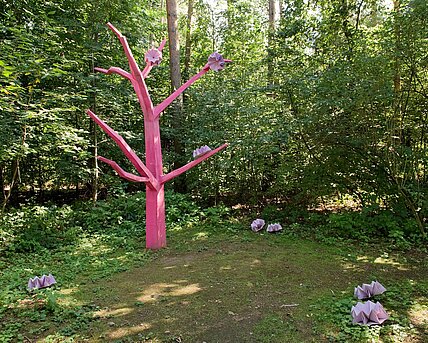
x: 155, y: 218
x: 155, y: 199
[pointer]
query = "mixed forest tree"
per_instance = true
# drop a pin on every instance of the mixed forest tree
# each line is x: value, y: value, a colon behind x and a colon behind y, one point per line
x: 324, y: 99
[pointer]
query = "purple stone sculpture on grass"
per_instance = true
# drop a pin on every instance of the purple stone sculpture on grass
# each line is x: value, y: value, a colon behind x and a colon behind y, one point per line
x: 366, y: 291
x: 200, y: 151
x: 272, y: 228
x: 257, y: 225
x: 368, y: 313
x: 42, y: 282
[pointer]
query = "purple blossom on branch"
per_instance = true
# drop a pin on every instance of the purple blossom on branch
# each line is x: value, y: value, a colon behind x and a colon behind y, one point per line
x: 216, y: 61
x: 368, y: 313
x: 200, y: 151
x: 366, y: 291
x: 274, y: 228
x: 42, y: 282
x: 257, y: 225
x: 153, y: 56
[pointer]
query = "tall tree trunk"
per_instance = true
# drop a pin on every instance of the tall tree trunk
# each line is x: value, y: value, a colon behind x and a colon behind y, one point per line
x: 7, y: 193
x: 188, y: 47
x: 230, y: 4
x: 15, y: 177
x: 397, y: 138
x: 93, y: 134
x: 175, y: 75
x: 271, y: 34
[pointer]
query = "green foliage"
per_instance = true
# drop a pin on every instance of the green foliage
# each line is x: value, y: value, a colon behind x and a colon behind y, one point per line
x: 35, y: 228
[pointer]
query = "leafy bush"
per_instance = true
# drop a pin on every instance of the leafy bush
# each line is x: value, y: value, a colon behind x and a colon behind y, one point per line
x: 30, y: 229
x: 33, y: 228
x: 365, y: 226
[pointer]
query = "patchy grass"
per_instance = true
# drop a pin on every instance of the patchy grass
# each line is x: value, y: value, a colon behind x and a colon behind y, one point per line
x: 216, y: 282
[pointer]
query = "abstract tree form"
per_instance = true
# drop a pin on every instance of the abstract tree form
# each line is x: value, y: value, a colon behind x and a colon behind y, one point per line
x: 151, y: 173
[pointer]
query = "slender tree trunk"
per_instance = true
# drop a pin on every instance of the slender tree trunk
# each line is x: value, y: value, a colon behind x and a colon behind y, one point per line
x: 177, y: 105
x: 162, y: 7
x: 271, y: 34
x: 188, y: 47
x: 396, y: 129
x: 8, y: 193
x: 230, y: 4
x: 93, y: 133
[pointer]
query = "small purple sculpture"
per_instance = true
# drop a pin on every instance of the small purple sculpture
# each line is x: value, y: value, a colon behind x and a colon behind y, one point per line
x: 216, y: 61
x: 42, y: 282
x: 257, y: 225
x: 368, y: 313
x: 200, y: 151
x: 366, y: 291
x: 274, y: 228
x: 153, y: 56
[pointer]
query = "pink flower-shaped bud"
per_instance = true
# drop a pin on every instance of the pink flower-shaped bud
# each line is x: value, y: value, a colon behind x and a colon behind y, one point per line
x: 200, y: 151
x: 153, y: 56
x: 274, y: 228
x: 257, y: 225
x: 216, y: 61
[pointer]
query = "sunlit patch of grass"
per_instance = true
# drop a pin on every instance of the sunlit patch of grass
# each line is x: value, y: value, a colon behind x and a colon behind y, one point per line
x: 131, y: 330
x: 108, y: 313
x: 157, y: 291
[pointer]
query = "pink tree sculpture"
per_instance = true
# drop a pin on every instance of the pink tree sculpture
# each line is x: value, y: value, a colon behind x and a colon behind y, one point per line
x: 151, y: 173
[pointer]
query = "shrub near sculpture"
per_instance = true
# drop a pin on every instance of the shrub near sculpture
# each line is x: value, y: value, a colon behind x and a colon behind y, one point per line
x: 151, y: 172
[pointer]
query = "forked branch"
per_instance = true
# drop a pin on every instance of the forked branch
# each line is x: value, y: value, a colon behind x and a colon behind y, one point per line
x: 129, y: 153
x: 164, y: 104
x: 122, y: 173
x: 190, y: 165
x: 149, y: 66
x: 116, y: 70
x: 131, y: 60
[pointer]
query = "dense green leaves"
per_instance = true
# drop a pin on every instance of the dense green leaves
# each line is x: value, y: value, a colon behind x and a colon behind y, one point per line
x: 334, y: 104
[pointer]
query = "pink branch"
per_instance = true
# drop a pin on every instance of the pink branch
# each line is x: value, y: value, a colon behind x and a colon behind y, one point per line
x: 116, y: 70
x: 122, y: 173
x: 149, y: 66
x: 129, y: 153
x: 139, y: 85
x: 190, y: 165
x: 131, y: 60
x: 162, y: 45
x: 164, y: 104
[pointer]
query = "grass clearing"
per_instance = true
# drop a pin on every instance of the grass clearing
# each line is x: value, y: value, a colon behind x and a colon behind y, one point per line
x: 216, y: 282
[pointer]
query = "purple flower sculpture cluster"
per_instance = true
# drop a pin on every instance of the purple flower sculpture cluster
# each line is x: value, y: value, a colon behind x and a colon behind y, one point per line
x: 200, y: 151
x: 366, y: 291
x: 42, y: 282
x: 216, y: 61
x: 258, y: 224
x: 153, y: 56
x: 368, y: 313
x: 272, y: 228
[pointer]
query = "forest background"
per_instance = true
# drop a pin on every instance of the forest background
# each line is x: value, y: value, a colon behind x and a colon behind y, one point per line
x: 324, y: 100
